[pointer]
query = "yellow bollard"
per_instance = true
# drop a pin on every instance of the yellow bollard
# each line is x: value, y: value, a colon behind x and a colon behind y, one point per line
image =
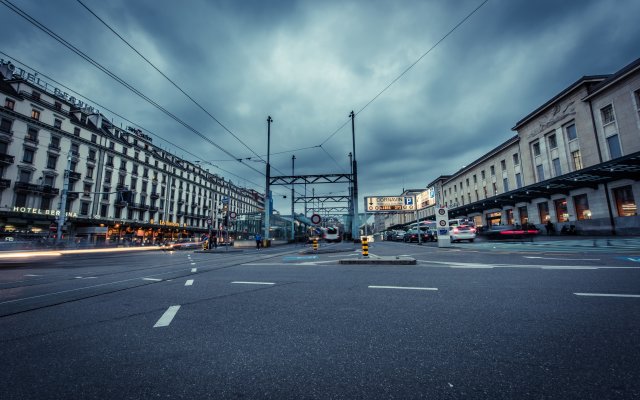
x: 315, y: 244
x: 365, y: 247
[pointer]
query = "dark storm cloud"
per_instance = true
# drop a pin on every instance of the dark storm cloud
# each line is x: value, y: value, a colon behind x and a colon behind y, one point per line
x: 309, y: 63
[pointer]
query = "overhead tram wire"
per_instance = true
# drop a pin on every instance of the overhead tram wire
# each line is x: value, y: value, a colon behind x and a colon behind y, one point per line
x: 84, y: 56
x: 62, y: 85
x: 408, y: 68
x: 169, y: 79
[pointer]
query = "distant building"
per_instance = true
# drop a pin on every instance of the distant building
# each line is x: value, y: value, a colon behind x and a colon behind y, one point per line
x: 44, y: 130
x: 574, y: 161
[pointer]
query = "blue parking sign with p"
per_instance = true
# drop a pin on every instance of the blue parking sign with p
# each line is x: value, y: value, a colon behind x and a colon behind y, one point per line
x: 408, y: 201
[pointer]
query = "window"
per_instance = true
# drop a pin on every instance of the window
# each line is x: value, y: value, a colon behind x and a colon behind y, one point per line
x: 21, y: 199
x: 112, y: 145
x: 52, y: 161
x: 543, y: 211
x: 516, y: 159
x: 28, y: 156
x: 576, y: 158
x: 57, y: 105
x: 518, y: 180
x: 35, y: 114
x: 57, y: 123
x: 475, y: 178
x: 49, y: 180
x: 123, y: 165
x: 625, y: 203
x: 553, y: 143
x: 503, y: 165
x: 105, y: 193
x: 613, y: 142
x: 55, y: 142
x: 73, y: 165
x: 5, y: 125
x: 89, y: 172
x: 94, y: 138
x: 607, y: 114
x: 524, y: 215
x: 581, y: 204
x: 32, y: 134
x: 540, y: 171
x: 75, y: 149
x: 92, y: 155
x: 495, y: 188
x: 505, y: 183
x: 25, y: 176
x: 103, y: 210
x: 76, y: 131
x: 110, y: 160
x: 35, y: 95
x: 10, y: 104
x: 561, y: 210
x: 84, y: 208
x: 571, y: 132
x: 557, y: 169
x: 107, y: 177
x: 536, y: 148
x: 482, y: 175
x: 87, y: 189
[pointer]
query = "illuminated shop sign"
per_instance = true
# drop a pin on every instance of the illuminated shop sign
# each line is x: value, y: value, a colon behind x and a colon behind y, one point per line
x: 7, y: 67
x: 40, y: 211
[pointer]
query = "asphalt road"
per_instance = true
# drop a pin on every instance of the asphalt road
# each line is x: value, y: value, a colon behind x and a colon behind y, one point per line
x: 475, y: 321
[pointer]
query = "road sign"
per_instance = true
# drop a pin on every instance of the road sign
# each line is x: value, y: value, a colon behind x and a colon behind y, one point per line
x: 225, y: 200
x: 316, y: 219
x: 233, y: 215
x: 390, y: 203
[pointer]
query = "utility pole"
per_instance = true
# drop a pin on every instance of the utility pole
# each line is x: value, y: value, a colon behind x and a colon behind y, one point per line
x: 267, y: 194
x: 293, y: 225
x: 63, y: 199
x: 355, y: 227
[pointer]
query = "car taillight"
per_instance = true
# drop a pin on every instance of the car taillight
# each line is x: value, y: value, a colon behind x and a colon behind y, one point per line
x: 455, y: 230
x: 473, y: 230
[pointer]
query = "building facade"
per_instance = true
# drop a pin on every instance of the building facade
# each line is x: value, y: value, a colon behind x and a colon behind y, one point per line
x: 575, y: 160
x: 46, y: 133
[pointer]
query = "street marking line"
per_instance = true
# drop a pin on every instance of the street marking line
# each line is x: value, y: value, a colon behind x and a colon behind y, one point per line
x: 86, y: 277
x: 32, y: 275
x: 253, y: 283
x: 151, y: 279
x: 167, y: 317
x: 569, y: 267
x: 193, y: 263
x: 194, y: 269
x: 401, y: 287
x: 189, y: 282
x: 566, y: 259
x: 607, y: 295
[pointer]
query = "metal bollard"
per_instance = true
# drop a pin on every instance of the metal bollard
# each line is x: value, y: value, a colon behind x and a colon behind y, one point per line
x: 365, y: 247
x: 315, y: 244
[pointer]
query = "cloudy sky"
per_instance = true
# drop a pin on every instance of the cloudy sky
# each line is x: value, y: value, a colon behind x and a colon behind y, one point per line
x: 308, y: 64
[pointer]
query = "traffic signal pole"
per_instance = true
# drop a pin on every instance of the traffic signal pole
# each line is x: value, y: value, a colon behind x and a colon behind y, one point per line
x: 63, y: 200
x: 354, y: 227
x: 267, y: 194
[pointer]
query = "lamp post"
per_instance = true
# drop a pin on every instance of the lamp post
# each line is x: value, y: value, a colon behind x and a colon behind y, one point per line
x: 267, y: 194
x: 293, y: 226
x: 63, y: 199
x: 355, y: 227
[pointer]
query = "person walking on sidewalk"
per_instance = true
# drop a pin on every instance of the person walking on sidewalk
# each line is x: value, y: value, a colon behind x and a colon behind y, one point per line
x: 549, y: 227
x: 258, y: 241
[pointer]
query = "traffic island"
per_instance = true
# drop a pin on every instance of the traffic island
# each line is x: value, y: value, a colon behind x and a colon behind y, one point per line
x: 380, y: 260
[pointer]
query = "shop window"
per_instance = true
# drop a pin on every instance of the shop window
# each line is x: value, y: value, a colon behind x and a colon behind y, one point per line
x: 625, y: 202
x: 524, y: 215
x: 561, y: 210
x: 543, y: 212
x: 510, y: 220
x: 581, y: 204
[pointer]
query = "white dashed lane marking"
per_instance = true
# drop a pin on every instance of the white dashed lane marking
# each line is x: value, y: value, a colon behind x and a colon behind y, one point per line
x: 189, y: 282
x: 167, y: 317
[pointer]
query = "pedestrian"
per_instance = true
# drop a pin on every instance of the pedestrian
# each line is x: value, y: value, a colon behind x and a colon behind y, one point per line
x: 549, y: 227
x: 258, y: 241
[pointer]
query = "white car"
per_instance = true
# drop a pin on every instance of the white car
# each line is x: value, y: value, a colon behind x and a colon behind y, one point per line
x: 462, y: 232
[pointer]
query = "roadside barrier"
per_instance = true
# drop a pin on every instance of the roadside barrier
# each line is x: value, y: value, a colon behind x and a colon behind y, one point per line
x: 365, y: 246
x: 315, y: 244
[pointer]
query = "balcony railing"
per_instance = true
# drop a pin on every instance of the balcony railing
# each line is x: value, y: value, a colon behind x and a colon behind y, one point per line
x: 5, y: 183
x: 30, y: 187
x: 7, y: 159
x: 75, y: 175
x: 154, y: 195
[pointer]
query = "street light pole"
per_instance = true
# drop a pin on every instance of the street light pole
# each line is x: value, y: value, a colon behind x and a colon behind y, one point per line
x: 355, y: 227
x: 293, y: 226
x: 267, y: 194
x: 63, y: 199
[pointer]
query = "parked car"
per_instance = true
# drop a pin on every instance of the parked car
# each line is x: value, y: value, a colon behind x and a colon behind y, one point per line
x: 399, y: 235
x: 503, y: 232
x: 412, y: 236
x: 462, y: 232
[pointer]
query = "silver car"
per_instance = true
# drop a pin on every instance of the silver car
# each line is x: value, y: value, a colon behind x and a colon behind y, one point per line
x: 462, y: 232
